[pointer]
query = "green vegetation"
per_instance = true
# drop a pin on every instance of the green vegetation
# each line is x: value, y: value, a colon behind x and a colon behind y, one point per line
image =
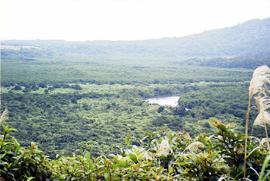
x: 160, y: 156
x: 71, y: 102
x: 69, y: 107
x: 73, y: 68
x: 249, y: 62
x: 87, y: 98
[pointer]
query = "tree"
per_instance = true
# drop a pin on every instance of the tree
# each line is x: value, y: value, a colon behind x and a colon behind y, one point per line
x: 17, y: 87
x: 42, y: 85
x: 73, y: 100
x: 160, y: 109
x: 77, y: 87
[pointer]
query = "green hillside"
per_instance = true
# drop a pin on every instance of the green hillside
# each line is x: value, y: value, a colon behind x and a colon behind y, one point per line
x: 249, y: 38
x: 72, y: 96
x: 249, y: 62
x: 88, y: 98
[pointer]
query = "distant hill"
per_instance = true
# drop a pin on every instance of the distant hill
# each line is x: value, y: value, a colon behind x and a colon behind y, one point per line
x: 249, y: 38
x: 249, y: 62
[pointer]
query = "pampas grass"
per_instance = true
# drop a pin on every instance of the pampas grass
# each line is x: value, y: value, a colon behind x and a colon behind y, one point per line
x: 258, y: 88
x: 263, y: 117
x: 4, y: 115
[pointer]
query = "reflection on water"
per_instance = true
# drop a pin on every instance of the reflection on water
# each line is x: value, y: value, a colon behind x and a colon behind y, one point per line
x: 164, y: 101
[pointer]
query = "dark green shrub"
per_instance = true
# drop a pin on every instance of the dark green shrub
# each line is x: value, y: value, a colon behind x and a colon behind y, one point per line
x: 18, y: 163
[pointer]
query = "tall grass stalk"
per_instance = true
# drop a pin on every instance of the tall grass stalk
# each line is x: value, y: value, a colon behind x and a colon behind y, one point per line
x: 247, y: 120
x: 260, y: 77
x: 263, y: 117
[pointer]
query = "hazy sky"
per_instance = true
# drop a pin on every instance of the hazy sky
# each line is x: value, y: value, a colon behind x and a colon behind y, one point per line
x: 122, y: 20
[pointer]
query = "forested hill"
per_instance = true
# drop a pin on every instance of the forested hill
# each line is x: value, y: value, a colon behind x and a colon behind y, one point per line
x: 249, y: 38
x: 247, y: 61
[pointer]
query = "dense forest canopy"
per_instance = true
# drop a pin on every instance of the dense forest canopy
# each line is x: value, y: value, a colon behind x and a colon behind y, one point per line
x: 65, y: 85
x: 73, y: 97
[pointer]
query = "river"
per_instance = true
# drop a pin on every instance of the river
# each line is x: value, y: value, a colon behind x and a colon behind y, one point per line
x: 164, y: 101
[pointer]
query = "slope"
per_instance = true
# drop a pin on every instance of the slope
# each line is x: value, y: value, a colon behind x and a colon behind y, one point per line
x: 249, y: 38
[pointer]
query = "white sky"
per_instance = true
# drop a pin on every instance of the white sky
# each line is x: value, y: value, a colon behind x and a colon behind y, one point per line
x: 80, y: 20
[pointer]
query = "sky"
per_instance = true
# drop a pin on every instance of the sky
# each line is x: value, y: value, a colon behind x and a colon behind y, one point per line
x: 80, y: 20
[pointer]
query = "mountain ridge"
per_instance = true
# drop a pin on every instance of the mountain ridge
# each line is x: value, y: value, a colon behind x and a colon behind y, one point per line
x: 249, y: 38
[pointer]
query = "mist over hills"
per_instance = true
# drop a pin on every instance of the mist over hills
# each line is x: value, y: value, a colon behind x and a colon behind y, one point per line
x: 249, y: 38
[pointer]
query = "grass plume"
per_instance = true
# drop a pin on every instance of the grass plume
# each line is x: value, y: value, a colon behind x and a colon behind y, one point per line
x: 258, y: 87
x: 263, y: 117
x: 4, y: 115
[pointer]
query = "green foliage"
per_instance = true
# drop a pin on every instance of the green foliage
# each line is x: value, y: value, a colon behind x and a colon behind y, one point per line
x: 83, y: 98
x: 200, y: 157
x: 249, y: 62
x: 65, y: 120
x: 18, y: 163
x: 226, y: 103
x: 264, y: 176
x: 232, y: 145
x: 70, y: 98
x: 77, y: 68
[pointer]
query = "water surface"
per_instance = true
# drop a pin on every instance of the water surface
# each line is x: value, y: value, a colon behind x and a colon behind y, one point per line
x: 164, y: 101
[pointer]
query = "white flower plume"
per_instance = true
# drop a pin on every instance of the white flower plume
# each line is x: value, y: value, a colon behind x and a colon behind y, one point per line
x: 260, y: 77
x: 264, y: 116
x: 264, y: 140
x: 4, y: 115
x: 195, y: 146
x: 146, y: 156
x: 164, y: 148
x: 258, y: 85
x: 263, y: 103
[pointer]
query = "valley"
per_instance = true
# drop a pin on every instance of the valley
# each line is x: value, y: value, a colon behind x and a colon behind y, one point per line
x: 87, y: 97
